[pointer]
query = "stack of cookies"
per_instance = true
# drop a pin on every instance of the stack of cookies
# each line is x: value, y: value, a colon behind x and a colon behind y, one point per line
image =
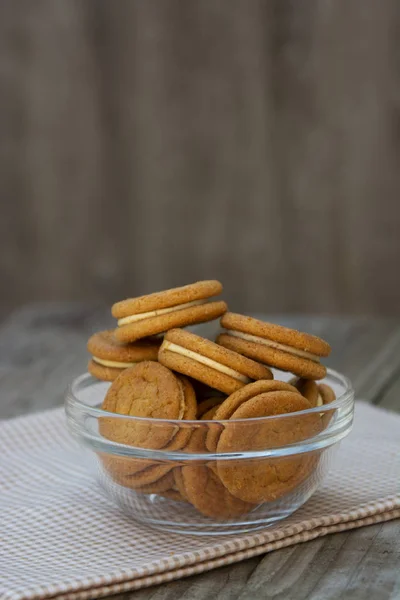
x: 159, y: 370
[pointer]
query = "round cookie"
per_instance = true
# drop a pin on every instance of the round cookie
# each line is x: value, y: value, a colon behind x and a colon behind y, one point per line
x: 232, y: 403
x: 204, y: 490
x: 147, y: 390
x: 161, y: 311
x: 265, y: 480
x: 209, y: 363
x: 277, y: 346
x: 110, y: 356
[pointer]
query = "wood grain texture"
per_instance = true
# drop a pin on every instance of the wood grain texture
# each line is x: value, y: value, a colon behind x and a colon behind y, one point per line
x: 47, y: 344
x: 148, y: 144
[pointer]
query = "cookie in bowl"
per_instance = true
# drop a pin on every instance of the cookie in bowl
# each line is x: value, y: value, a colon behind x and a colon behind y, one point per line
x: 148, y: 391
x: 267, y: 479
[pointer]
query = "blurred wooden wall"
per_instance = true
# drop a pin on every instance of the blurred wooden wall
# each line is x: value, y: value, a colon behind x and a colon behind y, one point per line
x: 150, y: 143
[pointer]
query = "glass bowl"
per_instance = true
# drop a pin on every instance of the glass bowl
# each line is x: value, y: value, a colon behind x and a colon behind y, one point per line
x: 208, y: 477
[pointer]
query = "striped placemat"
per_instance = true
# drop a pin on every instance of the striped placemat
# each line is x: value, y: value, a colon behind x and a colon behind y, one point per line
x: 60, y: 537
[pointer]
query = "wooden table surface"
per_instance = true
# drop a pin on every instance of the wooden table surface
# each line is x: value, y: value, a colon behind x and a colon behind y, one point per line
x: 43, y: 346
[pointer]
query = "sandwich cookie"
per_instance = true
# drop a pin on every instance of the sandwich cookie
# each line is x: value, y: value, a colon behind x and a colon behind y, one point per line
x: 110, y: 357
x: 265, y: 480
x: 225, y: 410
x: 209, y: 363
x: 275, y: 345
x: 156, y: 313
x: 148, y: 390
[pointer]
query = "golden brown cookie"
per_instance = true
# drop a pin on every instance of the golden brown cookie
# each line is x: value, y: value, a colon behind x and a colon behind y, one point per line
x: 275, y: 345
x: 203, y: 488
x: 161, y: 311
x: 232, y: 403
x: 260, y: 480
x: 110, y: 357
x: 209, y: 363
x: 148, y: 390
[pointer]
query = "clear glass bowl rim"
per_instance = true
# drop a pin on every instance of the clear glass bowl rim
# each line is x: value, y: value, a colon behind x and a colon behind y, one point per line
x: 73, y: 402
x: 77, y: 411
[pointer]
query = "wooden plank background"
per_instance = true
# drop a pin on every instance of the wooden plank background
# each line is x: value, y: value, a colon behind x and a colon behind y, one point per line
x: 150, y: 143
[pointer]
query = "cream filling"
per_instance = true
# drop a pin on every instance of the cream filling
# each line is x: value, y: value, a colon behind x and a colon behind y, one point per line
x: 158, y: 312
x: 320, y: 402
x: 113, y: 363
x: 205, y: 361
x: 271, y: 344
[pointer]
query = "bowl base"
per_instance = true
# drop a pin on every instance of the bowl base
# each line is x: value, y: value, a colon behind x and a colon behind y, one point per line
x: 179, y: 517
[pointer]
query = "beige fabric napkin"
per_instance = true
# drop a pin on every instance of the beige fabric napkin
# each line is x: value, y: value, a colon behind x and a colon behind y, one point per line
x: 61, y: 537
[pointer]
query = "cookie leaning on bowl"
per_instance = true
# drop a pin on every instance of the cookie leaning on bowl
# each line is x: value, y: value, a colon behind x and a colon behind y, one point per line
x: 209, y: 363
x: 274, y: 345
x: 267, y: 479
x: 110, y: 357
x: 151, y: 391
x: 178, y: 307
